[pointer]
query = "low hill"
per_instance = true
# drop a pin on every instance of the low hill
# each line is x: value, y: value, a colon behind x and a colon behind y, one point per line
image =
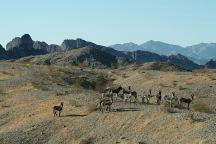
x: 211, y: 64
x: 87, y: 56
x: 161, y: 66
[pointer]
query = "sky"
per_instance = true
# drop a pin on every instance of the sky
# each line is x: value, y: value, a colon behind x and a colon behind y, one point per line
x: 107, y: 22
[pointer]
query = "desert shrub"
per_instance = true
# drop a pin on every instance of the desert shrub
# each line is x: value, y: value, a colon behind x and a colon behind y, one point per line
x: 142, y: 142
x: 79, y: 81
x: 39, y: 86
x: 1, y: 91
x: 189, y: 83
x: 124, y: 76
x: 169, y: 109
x: 181, y: 88
x: 172, y: 109
x: 114, y: 66
x: 87, y: 141
x: 175, y: 83
x: 5, y: 105
x: 100, y: 83
x: 201, y: 106
x: 6, y: 73
x: 194, y: 117
x: 163, y: 85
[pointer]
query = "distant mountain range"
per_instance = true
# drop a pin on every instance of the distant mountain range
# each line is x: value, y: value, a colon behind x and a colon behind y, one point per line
x: 81, y: 52
x: 200, y: 53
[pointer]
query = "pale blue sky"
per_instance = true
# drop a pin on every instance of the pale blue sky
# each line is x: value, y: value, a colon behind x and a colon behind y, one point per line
x: 106, y: 22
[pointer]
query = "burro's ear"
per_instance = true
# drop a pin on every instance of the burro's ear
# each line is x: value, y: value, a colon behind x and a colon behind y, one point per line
x: 192, y: 95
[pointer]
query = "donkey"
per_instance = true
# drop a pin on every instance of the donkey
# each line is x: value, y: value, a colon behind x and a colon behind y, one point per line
x: 58, y: 109
x: 159, y: 97
x: 187, y: 100
x: 116, y: 91
x: 106, y: 102
x: 169, y: 99
x: 149, y: 96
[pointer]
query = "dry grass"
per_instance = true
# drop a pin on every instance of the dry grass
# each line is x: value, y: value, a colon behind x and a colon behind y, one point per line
x: 201, y: 106
x: 169, y: 109
x: 194, y: 118
x: 5, y: 105
x: 73, y: 103
x: 124, y: 76
x: 91, y: 107
x: 6, y: 73
x: 87, y: 141
x: 38, y: 86
x: 163, y: 85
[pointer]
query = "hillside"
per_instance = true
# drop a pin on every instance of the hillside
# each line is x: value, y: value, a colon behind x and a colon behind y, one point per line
x: 160, y: 66
x: 87, y: 56
x: 211, y: 64
x: 28, y: 92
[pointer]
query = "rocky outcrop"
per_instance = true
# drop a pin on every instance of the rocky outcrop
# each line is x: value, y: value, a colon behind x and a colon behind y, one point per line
x: 21, y: 47
x: 14, y: 43
x: 40, y: 45
x: 87, y: 56
x: 44, y: 46
x: 75, y: 44
x: 54, y: 48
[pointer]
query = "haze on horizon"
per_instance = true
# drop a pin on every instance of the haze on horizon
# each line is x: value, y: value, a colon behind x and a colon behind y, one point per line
x: 180, y: 22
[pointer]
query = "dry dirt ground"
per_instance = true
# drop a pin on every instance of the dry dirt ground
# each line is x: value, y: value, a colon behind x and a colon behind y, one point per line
x: 28, y: 93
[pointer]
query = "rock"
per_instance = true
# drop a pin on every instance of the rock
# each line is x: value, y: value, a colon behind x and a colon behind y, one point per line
x: 21, y: 47
x: 14, y: 43
x: 40, y: 45
x: 75, y: 44
x: 44, y: 46
x: 54, y: 48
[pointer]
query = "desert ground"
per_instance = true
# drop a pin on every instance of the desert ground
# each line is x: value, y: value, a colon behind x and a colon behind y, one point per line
x: 28, y: 93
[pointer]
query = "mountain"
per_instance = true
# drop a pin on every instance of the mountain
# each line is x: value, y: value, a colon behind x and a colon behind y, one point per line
x: 81, y: 52
x: 126, y: 47
x: 183, y: 62
x: 144, y: 56
x: 158, y: 47
x: 21, y: 47
x: 205, y: 50
x: 199, y: 54
x: 211, y: 64
x: 3, y: 53
x: 163, y: 48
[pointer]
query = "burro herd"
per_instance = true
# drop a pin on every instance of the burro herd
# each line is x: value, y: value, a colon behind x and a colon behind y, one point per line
x: 128, y: 95
x: 121, y: 94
